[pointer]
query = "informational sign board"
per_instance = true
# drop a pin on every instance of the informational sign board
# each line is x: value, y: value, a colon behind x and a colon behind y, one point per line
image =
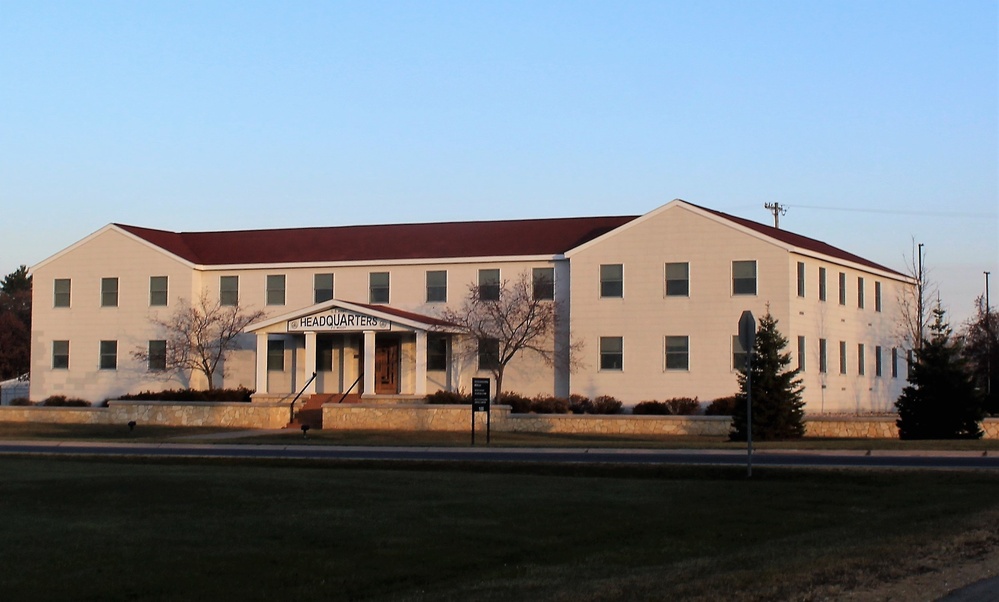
x: 480, y: 394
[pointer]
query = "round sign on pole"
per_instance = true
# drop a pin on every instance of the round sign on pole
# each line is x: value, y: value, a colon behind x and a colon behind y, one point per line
x: 747, y: 331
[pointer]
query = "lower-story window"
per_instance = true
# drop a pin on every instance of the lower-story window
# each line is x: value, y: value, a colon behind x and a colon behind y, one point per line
x: 157, y: 356
x: 488, y: 354
x: 275, y: 355
x: 60, y: 355
x: 611, y: 353
x: 677, y: 353
x: 109, y: 355
x: 437, y: 352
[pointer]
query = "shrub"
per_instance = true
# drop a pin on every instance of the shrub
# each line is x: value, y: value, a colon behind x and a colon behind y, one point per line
x: 449, y: 398
x: 683, y: 406
x: 220, y: 395
x: 723, y: 406
x: 605, y: 404
x: 20, y: 401
x: 547, y: 404
x: 650, y: 407
x: 518, y: 403
x: 62, y: 401
x: 580, y: 404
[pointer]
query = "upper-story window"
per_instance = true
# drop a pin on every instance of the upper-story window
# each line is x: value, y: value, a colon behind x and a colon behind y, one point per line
x: 744, y: 277
x: 322, y: 287
x: 612, y: 280
x: 678, y: 279
x: 877, y: 296
x: 158, y: 290
x: 543, y: 283
x: 61, y: 292
x: 229, y: 290
x: 109, y: 292
x: 842, y: 288
x: 801, y: 279
x: 860, y: 292
x: 378, y: 287
x: 436, y: 286
x: 275, y: 289
x: 822, y: 284
x: 489, y: 285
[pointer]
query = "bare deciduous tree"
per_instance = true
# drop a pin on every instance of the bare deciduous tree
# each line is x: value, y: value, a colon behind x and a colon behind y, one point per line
x: 912, y: 301
x: 200, y: 336
x: 515, y: 322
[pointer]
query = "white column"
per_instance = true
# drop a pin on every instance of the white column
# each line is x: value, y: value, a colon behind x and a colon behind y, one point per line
x: 261, y: 362
x: 310, y: 361
x: 369, y: 363
x: 421, y: 362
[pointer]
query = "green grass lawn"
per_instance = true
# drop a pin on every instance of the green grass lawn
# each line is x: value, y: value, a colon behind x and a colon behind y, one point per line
x: 207, y: 530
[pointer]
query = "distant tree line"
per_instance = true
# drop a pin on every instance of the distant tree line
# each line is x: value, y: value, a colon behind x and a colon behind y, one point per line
x: 15, y: 324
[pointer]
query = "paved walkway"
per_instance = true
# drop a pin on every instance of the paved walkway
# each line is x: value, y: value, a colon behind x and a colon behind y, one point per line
x: 986, y: 590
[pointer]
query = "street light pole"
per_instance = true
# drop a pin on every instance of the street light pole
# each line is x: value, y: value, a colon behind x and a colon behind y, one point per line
x: 988, y: 340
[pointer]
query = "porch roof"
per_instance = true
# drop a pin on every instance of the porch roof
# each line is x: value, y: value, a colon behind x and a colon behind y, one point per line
x: 381, y: 313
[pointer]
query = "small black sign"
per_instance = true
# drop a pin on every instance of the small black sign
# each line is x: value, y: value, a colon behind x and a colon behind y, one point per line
x: 480, y: 394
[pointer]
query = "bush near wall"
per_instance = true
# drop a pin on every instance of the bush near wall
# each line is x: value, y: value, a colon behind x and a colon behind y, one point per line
x: 677, y: 406
x: 61, y: 401
x: 723, y: 406
x: 448, y: 398
x: 221, y: 395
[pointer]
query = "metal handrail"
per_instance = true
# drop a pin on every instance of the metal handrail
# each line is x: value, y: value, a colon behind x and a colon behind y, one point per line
x: 359, y: 377
x: 291, y: 408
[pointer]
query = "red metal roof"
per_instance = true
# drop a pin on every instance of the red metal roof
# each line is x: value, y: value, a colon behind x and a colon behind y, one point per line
x: 378, y: 243
x: 799, y: 241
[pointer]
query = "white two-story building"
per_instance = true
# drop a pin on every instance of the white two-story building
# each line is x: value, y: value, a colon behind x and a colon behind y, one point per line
x: 653, y: 300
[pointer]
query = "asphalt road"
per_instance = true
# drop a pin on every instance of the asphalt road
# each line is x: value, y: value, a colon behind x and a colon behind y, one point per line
x: 845, y: 459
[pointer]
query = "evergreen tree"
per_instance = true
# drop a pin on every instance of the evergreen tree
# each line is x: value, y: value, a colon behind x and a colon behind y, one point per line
x: 981, y: 350
x: 777, y: 405
x: 15, y: 324
x: 941, y: 401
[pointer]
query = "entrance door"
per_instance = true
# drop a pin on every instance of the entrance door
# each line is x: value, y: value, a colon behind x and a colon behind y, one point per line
x: 386, y: 367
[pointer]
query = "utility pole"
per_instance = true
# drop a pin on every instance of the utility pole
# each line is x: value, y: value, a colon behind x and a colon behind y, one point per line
x: 919, y: 300
x: 778, y: 210
x: 988, y: 340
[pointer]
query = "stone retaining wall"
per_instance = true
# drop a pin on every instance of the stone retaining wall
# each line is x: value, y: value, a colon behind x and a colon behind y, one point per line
x: 435, y: 418
x: 192, y: 413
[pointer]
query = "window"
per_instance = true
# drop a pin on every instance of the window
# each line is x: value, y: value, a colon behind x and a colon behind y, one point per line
x: 157, y: 356
x: 801, y: 279
x: 842, y: 288
x: 611, y: 353
x: 677, y: 353
x: 739, y: 354
x: 158, y: 291
x: 229, y: 290
x: 436, y: 352
x: 488, y: 354
x: 861, y: 359
x: 612, y: 280
x: 109, y: 292
x: 894, y: 362
x: 437, y: 286
x: 822, y: 284
x: 322, y: 286
x: 109, y: 355
x: 543, y: 283
x: 842, y: 357
x: 60, y: 355
x: 823, y: 357
x: 275, y: 289
x: 325, y: 351
x: 877, y: 361
x: 378, y: 287
x: 744, y: 277
x: 61, y: 292
x: 860, y: 292
x: 877, y: 296
x: 908, y: 362
x: 275, y: 355
x: 489, y: 285
x: 678, y: 279
x: 801, y: 354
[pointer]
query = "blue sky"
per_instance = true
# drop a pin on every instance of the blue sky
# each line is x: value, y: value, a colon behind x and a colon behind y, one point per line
x: 877, y: 123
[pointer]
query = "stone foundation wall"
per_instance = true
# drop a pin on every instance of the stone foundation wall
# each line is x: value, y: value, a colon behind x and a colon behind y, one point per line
x: 412, y: 417
x: 54, y: 415
x: 853, y: 427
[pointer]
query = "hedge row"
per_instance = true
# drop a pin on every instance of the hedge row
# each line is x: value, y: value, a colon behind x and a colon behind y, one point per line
x: 580, y: 404
x: 238, y: 394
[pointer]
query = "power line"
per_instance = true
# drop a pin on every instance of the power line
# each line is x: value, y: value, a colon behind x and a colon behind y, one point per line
x: 901, y: 212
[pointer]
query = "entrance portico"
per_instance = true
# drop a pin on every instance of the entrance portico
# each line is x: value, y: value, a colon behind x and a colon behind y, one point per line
x: 350, y: 347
